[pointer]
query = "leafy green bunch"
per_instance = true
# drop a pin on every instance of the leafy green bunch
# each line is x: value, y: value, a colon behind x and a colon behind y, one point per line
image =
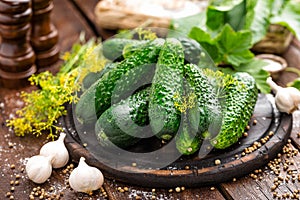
x: 228, y: 29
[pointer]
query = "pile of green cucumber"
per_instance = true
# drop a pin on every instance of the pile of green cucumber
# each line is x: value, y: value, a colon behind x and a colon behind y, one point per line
x: 156, y: 88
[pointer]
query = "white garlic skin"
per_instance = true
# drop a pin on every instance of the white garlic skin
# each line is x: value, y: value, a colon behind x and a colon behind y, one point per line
x: 38, y: 168
x: 286, y: 99
x: 58, y: 151
x: 85, y: 178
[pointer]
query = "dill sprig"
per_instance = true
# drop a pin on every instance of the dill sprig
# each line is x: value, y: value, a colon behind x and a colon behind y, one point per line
x: 45, y: 105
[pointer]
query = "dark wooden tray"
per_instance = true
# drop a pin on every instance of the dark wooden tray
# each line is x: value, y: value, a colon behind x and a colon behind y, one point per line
x: 189, y: 171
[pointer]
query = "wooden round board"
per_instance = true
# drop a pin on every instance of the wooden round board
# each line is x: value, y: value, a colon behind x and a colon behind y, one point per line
x: 189, y: 171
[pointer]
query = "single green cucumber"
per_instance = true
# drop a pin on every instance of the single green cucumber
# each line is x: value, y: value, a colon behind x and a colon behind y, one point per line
x: 208, y: 106
x: 124, y: 123
x: 167, y: 83
x: 97, y: 98
x: 92, y: 77
x: 192, y: 49
x: 112, y: 48
x: 188, y: 141
x: 240, y: 96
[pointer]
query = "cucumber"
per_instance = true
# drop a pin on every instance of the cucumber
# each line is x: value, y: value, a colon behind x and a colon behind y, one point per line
x: 192, y: 50
x: 187, y: 138
x: 124, y: 123
x: 209, y: 108
x: 240, y: 96
x: 92, y: 77
x: 167, y: 82
x: 112, y: 49
x: 97, y: 98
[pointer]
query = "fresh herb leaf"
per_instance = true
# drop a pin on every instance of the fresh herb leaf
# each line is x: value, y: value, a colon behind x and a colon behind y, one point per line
x: 255, y: 69
x: 182, y: 26
x: 234, y: 46
x: 229, y: 12
x: 45, y: 105
x: 207, y: 42
x: 289, y: 17
x: 257, y: 18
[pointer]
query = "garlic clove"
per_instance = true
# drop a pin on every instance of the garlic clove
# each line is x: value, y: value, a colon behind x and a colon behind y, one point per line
x: 38, y: 168
x: 85, y: 178
x: 58, y: 151
x: 286, y: 99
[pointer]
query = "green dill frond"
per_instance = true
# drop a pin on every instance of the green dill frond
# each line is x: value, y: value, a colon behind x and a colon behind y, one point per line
x: 184, y: 102
x: 45, y: 105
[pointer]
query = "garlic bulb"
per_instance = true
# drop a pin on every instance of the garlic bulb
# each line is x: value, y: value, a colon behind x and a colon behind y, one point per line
x: 38, y: 168
x: 286, y: 99
x: 58, y: 151
x: 85, y: 178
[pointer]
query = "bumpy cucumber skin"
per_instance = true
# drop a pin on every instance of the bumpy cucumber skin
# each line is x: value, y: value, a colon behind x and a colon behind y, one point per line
x: 188, y: 141
x: 85, y: 110
x: 240, y: 100
x: 209, y: 108
x: 122, y: 118
x: 167, y: 82
x: 98, y: 97
x: 113, y: 48
x: 130, y: 48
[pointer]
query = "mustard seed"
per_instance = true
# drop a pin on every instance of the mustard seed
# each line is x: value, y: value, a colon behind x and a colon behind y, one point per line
x: 217, y: 162
x: 8, y: 194
x: 177, y: 189
x: 273, y: 187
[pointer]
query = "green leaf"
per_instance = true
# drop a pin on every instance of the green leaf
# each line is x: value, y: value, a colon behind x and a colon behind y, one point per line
x: 215, y: 19
x: 239, y: 57
x: 289, y: 17
x: 224, y: 5
x: 234, y: 46
x: 257, y: 18
x: 295, y: 83
x: 231, y: 12
x: 277, y: 7
x: 182, y: 26
x: 200, y: 35
x: 207, y: 42
x: 255, y: 68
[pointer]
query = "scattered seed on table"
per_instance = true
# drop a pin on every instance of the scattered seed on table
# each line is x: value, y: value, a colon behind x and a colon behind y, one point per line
x: 177, y: 189
x: 217, y: 162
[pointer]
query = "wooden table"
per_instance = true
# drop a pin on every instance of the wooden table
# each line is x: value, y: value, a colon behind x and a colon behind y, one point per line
x: 71, y: 17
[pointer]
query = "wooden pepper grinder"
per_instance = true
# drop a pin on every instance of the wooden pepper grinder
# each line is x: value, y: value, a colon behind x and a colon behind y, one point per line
x: 16, y: 54
x: 44, y: 35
